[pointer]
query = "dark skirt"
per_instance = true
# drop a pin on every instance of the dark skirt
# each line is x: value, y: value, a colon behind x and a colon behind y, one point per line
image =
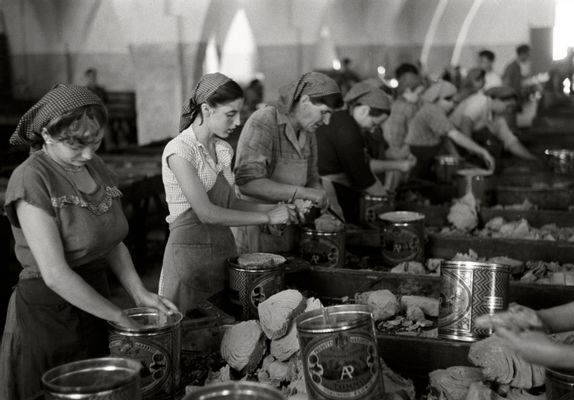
x: 43, y: 331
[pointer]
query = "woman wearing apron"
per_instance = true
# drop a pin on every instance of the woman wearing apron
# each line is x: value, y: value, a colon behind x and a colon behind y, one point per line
x: 481, y: 117
x: 68, y: 225
x: 430, y: 126
x: 277, y: 155
x: 197, y: 176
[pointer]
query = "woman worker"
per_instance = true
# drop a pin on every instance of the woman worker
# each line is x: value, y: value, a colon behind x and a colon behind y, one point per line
x: 342, y: 155
x: 431, y: 124
x: 196, y: 171
x: 277, y: 155
x: 68, y: 225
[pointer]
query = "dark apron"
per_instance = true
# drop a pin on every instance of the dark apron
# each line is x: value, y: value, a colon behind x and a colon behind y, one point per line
x: 195, y: 255
x: 52, y: 331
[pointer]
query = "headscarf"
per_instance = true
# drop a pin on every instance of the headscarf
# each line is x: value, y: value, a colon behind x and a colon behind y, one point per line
x: 313, y: 84
x: 439, y: 90
x: 409, y: 80
x: 59, y: 100
x: 207, y: 85
x: 368, y: 95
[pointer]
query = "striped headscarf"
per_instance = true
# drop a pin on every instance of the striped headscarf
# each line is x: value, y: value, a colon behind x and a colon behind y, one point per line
x: 59, y: 100
x: 313, y: 84
x: 206, y: 86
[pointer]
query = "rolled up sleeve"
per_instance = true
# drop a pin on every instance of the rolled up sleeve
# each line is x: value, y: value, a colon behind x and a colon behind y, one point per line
x: 255, y: 148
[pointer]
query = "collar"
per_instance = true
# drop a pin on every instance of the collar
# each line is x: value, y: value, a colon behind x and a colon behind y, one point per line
x: 297, y: 142
x: 222, y: 148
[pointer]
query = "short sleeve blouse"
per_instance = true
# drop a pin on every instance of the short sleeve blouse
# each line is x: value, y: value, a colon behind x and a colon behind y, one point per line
x: 90, y: 225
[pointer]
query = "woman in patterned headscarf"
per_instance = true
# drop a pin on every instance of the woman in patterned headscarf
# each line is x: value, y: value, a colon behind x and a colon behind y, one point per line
x: 196, y: 170
x: 68, y: 225
x: 277, y: 154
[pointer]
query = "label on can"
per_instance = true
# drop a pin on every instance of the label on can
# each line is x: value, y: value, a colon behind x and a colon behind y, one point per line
x: 401, y: 244
x: 156, y: 363
x: 249, y: 288
x: 455, y: 310
x: 343, y: 366
x: 319, y: 250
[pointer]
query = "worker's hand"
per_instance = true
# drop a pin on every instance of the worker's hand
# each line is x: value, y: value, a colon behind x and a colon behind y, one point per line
x: 318, y: 196
x: 488, y: 160
x: 282, y: 214
x: 407, y: 164
x: 154, y: 300
x: 534, y: 346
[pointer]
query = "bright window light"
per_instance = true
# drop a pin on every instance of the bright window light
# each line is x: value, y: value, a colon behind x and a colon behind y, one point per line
x: 336, y: 65
x: 563, y: 28
x: 239, y: 52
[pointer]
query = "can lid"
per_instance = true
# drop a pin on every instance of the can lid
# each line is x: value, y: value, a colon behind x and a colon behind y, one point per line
x: 504, y: 268
x: 401, y: 216
x: 561, y: 374
x: 243, y: 390
x: 91, y: 375
x: 260, y: 260
x: 150, y: 319
x: 474, y: 172
x: 334, y: 318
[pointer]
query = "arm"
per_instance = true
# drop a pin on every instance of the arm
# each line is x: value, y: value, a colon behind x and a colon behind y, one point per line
x: 122, y: 266
x: 558, y: 319
x: 267, y: 189
x: 466, y: 125
x: 208, y: 212
x: 43, y: 237
x: 469, y: 144
x: 512, y: 143
x: 518, y: 149
x: 382, y: 166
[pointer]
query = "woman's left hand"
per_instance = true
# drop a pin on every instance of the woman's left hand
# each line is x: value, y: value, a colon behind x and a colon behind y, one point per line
x: 149, y: 299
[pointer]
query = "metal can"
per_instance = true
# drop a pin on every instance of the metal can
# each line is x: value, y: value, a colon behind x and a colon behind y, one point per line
x: 560, y: 161
x: 243, y: 390
x: 326, y: 249
x: 559, y: 384
x: 156, y: 345
x: 106, y: 378
x: 249, y: 286
x: 340, y: 354
x: 446, y: 167
x: 468, y: 290
x: 372, y: 206
x: 403, y: 237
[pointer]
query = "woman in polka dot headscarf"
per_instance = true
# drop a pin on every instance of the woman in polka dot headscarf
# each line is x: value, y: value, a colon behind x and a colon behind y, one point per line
x: 68, y: 224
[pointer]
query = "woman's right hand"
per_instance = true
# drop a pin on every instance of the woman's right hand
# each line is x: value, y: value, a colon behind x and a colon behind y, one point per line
x: 282, y: 214
x: 317, y: 196
x: 488, y: 160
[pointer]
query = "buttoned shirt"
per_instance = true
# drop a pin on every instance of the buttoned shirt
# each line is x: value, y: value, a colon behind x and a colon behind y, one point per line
x: 186, y: 146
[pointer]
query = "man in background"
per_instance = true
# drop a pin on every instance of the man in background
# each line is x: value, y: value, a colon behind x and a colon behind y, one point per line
x: 486, y: 62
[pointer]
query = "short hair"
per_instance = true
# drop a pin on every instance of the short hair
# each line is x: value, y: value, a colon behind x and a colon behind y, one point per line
x: 489, y: 55
x: 91, y: 70
x: 333, y: 100
x: 79, y: 126
x: 523, y: 49
x: 404, y: 68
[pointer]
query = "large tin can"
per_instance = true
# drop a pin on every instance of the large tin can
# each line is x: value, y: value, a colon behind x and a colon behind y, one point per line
x: 559, y: 384
x: 242, y: 390
x: 468, y: 290
x: 249, y: 286
x: 372, y: 206
x: 106, y: 378
x: 403, y: 237
x: 326, y: 249
x: 156, y: 345
x: 339, y: 353
x: 446, y: 167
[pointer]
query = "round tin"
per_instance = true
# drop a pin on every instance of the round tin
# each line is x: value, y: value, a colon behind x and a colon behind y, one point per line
x: 403, y: 237
x: 372, y: 206
x: 242, y: 390
x: 326, y: 249
x: 106, y: 378
x: 446, y: 167
x: 468, y: 290
x: 340, y: 354
x: 156, y: 345
x: 249, y: 286
x: 559, y: 384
